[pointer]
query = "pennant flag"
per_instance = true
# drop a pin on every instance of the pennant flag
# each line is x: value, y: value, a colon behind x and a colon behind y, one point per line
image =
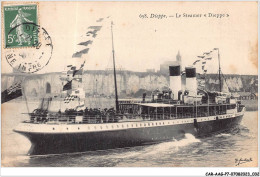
x: 100, y: 20
x: 195, y: 62
x: 86, y: 43
x: 92, y: 32
x: 11, y: 93
x: 95, y: 27
x: 69, y: 66
x: 80, y: 53
x: 201, y: 56
x: 69, y: 98
x: 67, y: 86
x: 203, y: 62
x: 82, y: 65
x: 215, y: 49
x: 206, y: 53
x: 208, y: 58
x: 73, y: 68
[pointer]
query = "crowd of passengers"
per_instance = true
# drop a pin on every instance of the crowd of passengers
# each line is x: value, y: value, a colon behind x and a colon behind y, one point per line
x: 91, y: 112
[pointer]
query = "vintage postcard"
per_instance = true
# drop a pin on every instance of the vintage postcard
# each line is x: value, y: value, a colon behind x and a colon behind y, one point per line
x: 129, y: 84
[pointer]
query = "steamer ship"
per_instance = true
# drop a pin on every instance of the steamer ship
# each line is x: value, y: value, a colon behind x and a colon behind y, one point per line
x: 166, y: 116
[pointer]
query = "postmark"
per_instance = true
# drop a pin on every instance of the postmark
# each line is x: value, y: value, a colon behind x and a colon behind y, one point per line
x: 33, y: 59
x: 14, y: 17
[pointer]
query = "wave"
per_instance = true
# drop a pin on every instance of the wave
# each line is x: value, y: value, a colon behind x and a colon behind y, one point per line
x: 172, y: 145
x: 223, y: 135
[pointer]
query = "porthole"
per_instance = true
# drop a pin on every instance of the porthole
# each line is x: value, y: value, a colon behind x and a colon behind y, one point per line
x: 88, y: 127
x: 112, y: 126
x: 95, y: 127
x: 140, y: 125
x: 67, y: 128
x: 122, y: 126
x: 144, y: 124
x: 117, y: 126
x: 100, y: 127
x: 132, y: 125
x: 156, y: 123
x: 53, y: 128
x: 148, y: 124
x: 152, y: 123
x: 163, y: 123
x: 127, y: 125
x: 78, y: 128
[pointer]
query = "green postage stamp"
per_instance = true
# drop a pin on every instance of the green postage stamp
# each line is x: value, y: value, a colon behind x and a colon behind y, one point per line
x: 20, y: 25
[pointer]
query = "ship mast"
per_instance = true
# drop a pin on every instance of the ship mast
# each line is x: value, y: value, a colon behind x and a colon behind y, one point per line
x: 114, y: 65
x: 219, y: 71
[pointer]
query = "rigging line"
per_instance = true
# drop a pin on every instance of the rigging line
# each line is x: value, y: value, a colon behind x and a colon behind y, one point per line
x: 22, y: 87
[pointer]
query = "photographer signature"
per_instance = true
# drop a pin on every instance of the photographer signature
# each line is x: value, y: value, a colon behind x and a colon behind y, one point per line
x: 241, y: 161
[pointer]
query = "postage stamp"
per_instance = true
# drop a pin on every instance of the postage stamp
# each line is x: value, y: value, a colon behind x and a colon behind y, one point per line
x: 32, y: 59
x: 16, y: 34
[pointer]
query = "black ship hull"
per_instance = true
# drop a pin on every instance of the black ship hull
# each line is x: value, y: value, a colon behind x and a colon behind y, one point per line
x: 68, y: 142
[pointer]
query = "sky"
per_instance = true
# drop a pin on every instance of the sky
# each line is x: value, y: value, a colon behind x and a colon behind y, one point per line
x: 142, y: 44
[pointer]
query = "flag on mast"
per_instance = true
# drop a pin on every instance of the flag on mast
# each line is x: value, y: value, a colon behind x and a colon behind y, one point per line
x: 67, y: 86
x: 86, y: 43
x: 12, y: 92
x: 100, y: 20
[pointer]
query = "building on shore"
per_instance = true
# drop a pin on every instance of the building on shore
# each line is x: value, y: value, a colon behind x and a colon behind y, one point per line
x: 247, y: 96
x: 164, y: 67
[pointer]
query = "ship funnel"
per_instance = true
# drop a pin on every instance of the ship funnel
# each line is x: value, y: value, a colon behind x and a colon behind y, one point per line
x: 191, y: 81
x: 175, y: 80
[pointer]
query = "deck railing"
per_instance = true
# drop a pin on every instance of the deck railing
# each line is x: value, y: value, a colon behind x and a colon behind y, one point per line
x: 87, y: 119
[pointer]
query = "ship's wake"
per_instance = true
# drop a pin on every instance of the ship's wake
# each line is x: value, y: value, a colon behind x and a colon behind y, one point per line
x: 173, y: 145
x: 223, y: 135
